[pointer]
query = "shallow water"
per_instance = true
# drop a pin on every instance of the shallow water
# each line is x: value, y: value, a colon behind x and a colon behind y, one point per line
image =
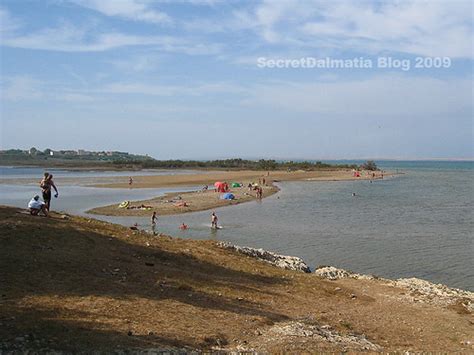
x: 419, y: 224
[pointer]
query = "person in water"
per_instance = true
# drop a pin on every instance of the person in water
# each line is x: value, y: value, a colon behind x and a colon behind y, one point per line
x: 183, y: 226
x: 154, y: 218
x: 214, y: 220
x: 46, y: 184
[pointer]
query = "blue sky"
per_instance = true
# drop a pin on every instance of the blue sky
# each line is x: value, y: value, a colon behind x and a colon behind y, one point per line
x: 179, y: 79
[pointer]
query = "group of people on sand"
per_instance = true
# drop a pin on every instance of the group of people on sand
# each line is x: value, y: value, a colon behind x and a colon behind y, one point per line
x: 35, y: 206
x: 183, y: 226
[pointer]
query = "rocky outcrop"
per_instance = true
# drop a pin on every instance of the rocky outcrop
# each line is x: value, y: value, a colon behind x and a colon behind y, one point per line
x: 333, y: 273
x: 300, y: 332
x: 281, y: 261
x: 417, y: 290
x: 421, y: 290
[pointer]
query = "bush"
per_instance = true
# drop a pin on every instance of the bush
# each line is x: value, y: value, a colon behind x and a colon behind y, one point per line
x: 369, y: 165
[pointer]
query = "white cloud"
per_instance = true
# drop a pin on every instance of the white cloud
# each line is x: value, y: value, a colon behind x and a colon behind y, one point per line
x: 75, y: 97
x: 69, y: 38
x: 434, y: 28
x: 171, y: 90
x: 23, y: 87
x: 135, y: 10
x: 7, y: 22
x: 137, y: 63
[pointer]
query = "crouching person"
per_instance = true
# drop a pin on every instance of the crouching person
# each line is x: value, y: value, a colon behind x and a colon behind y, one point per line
x: 35, y: 206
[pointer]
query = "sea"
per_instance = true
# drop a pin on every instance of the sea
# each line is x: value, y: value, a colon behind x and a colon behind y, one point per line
x: 418, y: 223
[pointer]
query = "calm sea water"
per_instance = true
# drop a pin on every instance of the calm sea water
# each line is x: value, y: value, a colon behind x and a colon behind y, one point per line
x: 419, y: 224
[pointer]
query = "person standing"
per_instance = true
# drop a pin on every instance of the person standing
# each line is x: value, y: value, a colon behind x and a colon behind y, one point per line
x: 130, y: 181
x: 154, y: 218
x: 46, y: 184
x: 214, y: 220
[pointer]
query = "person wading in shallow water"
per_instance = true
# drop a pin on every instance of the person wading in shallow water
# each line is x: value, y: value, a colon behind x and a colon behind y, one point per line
x: 46, y: 184
x: 154, y: 217
x: 213, y: 220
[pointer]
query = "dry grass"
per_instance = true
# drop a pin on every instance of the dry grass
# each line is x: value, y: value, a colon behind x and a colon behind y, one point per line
x: 78, y: 284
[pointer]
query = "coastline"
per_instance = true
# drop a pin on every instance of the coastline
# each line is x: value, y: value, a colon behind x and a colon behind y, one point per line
x: 142, y: 292
x: 172, y: 203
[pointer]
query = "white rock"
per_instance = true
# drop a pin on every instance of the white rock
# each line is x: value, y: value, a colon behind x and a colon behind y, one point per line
x: 281, y: 261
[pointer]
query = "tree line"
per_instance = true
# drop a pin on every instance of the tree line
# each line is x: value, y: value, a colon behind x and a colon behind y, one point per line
x: 237, y: 163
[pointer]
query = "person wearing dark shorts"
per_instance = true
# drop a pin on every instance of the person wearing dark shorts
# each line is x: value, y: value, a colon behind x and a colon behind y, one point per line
x: 46, y: 184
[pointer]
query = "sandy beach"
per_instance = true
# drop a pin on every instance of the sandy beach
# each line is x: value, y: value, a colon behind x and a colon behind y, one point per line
x: 184, y: 202
x: 156, y: 181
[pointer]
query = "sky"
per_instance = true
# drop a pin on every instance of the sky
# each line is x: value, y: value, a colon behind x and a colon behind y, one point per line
x: 198, y: 79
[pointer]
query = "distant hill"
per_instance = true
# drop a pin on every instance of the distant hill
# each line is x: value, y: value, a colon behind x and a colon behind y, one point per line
x: 68, y: 158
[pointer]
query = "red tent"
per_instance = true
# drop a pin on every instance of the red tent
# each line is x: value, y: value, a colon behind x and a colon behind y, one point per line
x: 221, y: 186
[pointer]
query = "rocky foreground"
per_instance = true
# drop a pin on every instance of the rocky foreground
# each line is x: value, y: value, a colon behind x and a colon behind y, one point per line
x: 70, y: 284
x: 418, y: 290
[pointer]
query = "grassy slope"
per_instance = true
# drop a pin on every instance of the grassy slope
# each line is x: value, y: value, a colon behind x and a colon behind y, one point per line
x: 78, y: 284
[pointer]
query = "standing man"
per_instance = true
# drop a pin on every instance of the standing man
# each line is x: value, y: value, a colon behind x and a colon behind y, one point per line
x: 154, y: 218
x: 214, y: 220
x: 46, y: 184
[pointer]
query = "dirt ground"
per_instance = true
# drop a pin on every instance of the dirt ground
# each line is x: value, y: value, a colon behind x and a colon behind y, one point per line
x: 74, y: 284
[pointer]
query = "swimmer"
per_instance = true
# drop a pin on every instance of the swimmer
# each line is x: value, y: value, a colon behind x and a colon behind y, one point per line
x: 353, y: 194
x: 183, y: 226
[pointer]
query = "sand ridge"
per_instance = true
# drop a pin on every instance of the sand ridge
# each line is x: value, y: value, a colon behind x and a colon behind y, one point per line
x: 176, y: 203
